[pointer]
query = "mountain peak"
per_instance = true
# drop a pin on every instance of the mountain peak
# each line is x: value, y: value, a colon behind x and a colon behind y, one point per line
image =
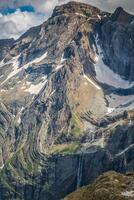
x: 121, y: 16
x: 75, y: 7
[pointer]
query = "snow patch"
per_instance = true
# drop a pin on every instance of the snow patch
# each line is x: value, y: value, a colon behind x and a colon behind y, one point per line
x: 35, y: 89
x: 15, y: 64
x: 125, y: 150
x: 61, y: 63
x: 110, y: 110
x: 44, y: 77
x: 19, y: 120
x: 36, y: 60
x: 19, y: 115
x: 80, y: 14
x: 128, y: 193
x: 96, y: 59
x: 2, y: 90
x: 105, y: 75
x: 90, y: 81
x: 117, y: 100
x: 99, y: 17
x: 59, y: 67
x: 63, y: 59
x: 52, y: 93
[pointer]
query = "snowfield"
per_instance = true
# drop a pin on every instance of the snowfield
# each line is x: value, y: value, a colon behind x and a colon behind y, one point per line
x: 105, y: 75
x: 90, y: 81
x: 117, y: 100
x: 35, y: 89
x: 15, y: 64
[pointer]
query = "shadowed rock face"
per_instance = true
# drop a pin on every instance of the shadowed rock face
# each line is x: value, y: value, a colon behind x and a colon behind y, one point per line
x: 66, y: 107
x: 121, y: 16
x: 117, y: 37
x: 5, y: 45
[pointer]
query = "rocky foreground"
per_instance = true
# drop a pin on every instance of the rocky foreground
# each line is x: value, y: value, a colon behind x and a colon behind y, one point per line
x: 109, y: 186
x: 66, y: 103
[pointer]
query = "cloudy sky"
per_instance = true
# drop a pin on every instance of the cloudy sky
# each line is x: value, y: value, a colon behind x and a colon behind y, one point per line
x: 16, y: 16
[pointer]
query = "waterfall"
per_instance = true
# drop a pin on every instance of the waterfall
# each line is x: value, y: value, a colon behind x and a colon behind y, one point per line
x: 79, y: 171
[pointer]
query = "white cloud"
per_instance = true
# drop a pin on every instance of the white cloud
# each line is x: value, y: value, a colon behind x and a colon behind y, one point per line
x: 15, y: 24
x: 47, y: 5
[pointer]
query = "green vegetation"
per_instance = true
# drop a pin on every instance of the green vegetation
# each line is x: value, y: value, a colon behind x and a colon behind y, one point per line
x: 66, y: 148
x: 75, y: 129
x: 28, y: 166
x: 109, y: 186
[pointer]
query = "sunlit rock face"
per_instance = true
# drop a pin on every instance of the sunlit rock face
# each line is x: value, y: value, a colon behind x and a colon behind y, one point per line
x: 66, y: 103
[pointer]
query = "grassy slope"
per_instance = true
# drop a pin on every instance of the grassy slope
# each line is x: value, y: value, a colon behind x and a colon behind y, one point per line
x: 109, y: 186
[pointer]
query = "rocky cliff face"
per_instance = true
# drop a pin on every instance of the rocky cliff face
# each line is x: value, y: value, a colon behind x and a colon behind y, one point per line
x: 5, y: 45
x: 66, y: 107
x: 117, y: 37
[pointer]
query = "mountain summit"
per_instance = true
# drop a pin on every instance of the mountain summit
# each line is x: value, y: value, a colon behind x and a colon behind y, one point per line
x: 66, y: 103
x: 74, y: 8
x: 122, y: 16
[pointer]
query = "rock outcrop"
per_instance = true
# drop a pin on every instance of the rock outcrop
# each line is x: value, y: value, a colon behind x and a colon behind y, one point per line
x: 5, y: 46
x: 108, y: 186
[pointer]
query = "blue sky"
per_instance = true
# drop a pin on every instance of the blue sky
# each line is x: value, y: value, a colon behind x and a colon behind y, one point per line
x: 25, y: 8
x: 16, y: 19
x: 17, y: 16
